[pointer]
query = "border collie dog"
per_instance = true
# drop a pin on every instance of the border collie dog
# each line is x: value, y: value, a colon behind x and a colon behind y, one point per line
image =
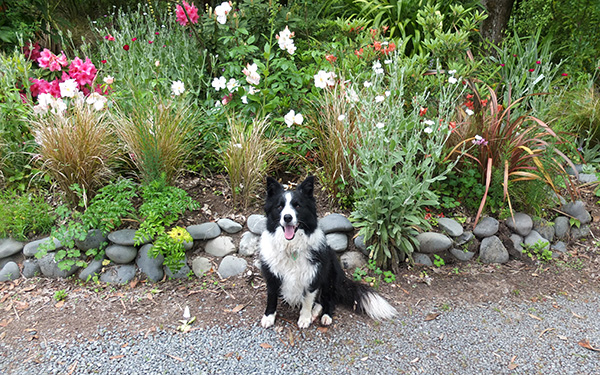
x: 298, y: 265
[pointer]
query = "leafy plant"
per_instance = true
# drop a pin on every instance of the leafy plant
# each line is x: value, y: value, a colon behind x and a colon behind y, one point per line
x: 397, y: 155
x: 539, y: 250
x: 248, y: 157
x: 60, y: 295
x: 23, y: 216
x: 361, y: 274
x: 438, y: 261
x: 162, y: 206
x: 519, y: 149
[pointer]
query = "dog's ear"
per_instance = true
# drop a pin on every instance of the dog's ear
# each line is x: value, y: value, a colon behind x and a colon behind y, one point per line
x: 307, y: 186
x: 273, y: 187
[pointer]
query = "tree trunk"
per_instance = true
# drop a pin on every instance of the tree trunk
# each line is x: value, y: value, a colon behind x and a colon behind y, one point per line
x: 498, y: 12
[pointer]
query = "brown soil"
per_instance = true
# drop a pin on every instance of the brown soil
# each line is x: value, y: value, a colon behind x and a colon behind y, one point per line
x: 29, y: 310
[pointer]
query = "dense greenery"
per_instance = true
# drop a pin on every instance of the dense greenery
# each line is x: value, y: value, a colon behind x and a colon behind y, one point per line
x: 400, y: 108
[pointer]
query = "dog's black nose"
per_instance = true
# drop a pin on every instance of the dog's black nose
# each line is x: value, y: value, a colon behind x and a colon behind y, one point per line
x: 287, y: 218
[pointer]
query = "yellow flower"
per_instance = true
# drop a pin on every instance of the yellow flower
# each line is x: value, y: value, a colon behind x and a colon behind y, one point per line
x: 180, y: 235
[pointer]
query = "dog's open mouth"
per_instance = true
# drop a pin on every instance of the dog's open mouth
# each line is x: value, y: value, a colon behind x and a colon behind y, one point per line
x: 289, y: 231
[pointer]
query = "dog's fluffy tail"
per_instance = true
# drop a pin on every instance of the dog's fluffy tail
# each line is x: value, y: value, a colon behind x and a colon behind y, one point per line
x: 364, y: 300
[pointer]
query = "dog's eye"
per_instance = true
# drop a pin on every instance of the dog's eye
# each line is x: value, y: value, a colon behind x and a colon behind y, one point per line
x: 296, y: 205
x: 280, y: 207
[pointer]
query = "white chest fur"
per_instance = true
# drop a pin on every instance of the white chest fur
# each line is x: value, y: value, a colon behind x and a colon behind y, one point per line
x: 290, y: 261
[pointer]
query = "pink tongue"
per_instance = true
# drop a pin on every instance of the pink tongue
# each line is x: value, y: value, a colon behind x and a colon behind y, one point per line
x: 288, y: 231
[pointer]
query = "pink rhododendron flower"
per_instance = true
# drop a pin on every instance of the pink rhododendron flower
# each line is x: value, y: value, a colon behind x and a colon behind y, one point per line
x: 83, y: 72
x: 191, y: 10
x: 51, y: 61
x: 39, y: 86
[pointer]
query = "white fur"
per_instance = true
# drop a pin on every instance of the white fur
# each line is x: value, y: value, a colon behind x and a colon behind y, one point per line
x: 326, y: 320
x: 289, y: 260
x: 268, y: 320
x: 377, y: 307
x: 288, y: 210
x: 306, y: 312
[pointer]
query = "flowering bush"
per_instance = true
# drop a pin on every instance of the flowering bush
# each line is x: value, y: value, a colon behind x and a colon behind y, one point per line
x: 397, y: 157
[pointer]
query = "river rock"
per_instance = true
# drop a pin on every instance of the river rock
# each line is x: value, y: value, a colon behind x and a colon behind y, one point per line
x: 338, y: 242
x: 93, y: 269
x: 249, y: 244
x: 578, y: 211
x: 32, y: 247
x: 257, y: 224
x: 450, y: 227
x: 31, y: 268
x: 232, y: 266
x: 492, y: 250
x: 424, y: 259
x: 432, y: 242
x: 121, y: 254
x: 201, y: 266
x: 229, y: 226
x: 561, y: 227
x: 488, y: 226
x: 335, y: 223
x: 9, y: 247
x: 522, y: 223
x: 93, y: 240
x: 150, y: 266
x: 49, y: 267
x: 220, y: 246
x: 10, y: 271
x: 120, y: 274
x: 205, y: 231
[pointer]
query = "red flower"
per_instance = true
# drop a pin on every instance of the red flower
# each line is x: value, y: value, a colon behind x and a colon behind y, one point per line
x: 358, y: 52
x: 150, y: 42
x: 103, y: 61
x: 126, y: 47
x: 564, y: 74
x: 422, y: 111
x: 330, y: 58
x: 156, y: 33
x: 452, y: 126
x: 538, y: 62
x: 377, y: 46
x: 502, y: 65
x: 427, y: 216
x: 531, y: 70
x: 133, y: 39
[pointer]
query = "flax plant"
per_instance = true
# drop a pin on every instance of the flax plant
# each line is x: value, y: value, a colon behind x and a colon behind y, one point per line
x: 76, y: 147
x: 249, y: 156
x: 156, y: 135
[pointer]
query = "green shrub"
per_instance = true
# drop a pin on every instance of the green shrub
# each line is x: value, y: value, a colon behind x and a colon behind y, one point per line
x: 398, y: 151
x: 23, y: 216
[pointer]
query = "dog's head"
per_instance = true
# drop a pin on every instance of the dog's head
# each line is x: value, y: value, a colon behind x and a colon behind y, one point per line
x: 292, y: 210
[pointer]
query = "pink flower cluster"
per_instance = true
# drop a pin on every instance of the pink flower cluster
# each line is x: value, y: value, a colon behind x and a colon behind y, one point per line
x: 83, y: 72
x: 191, y: 10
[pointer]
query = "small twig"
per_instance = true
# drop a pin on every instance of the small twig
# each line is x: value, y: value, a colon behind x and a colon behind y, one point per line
x: 16, y: 313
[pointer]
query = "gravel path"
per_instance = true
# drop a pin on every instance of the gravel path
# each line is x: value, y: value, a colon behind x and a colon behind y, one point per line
x: 495, y: 338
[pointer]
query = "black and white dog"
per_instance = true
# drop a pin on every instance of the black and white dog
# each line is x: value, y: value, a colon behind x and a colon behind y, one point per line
x: 298, y: 265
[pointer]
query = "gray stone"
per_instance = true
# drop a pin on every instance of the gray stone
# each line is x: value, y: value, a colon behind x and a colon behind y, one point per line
x: 578, y: 211
x: 201, y: 266
x: 31, y: 268
x: 232, y: 266
x: 93, y: 240
x: 182, y: 273
x: 93, y: 269
x: 464, y: 238
x: 121, y: 254
x: 522, y: 223
x: 587, y: 178
x: 205, y: 231
x: 545, y: 229
x: 561, y: 227
x: 17, y: 258
x: 432, y: 242
x: 9, y: 247
x: 49, y: 267
x: 463, y: 256
x: 488, y: 226
x: 188, y: 245
x: 121, y: 274
x: 335, y: 223
x: 150, y: 266
x: 359, y: 242
x: 492, y: 250
x: 257, y: 224
x: 32, y: 248
x: 220, y: 246
x: 229, y: 226
x: 10, y: 272
x: 517, y: 242
x: 581, y: 232
x: 125, y: 237
x: 338, y: 242
x: 533, y: 238
x: 450, y: 227
x: 424, y: 259
x: 351, y: 260
x: 249, y: 244
x: 558, y: 249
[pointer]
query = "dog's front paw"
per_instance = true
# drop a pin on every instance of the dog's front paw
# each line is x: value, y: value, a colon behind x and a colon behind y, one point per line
x: 326, y: 320
x: 304, y: 321
x: 316, y: 311
x: 268, y: 320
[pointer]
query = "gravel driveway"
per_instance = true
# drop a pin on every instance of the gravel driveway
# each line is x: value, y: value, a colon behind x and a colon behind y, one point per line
x: 544, y: 337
